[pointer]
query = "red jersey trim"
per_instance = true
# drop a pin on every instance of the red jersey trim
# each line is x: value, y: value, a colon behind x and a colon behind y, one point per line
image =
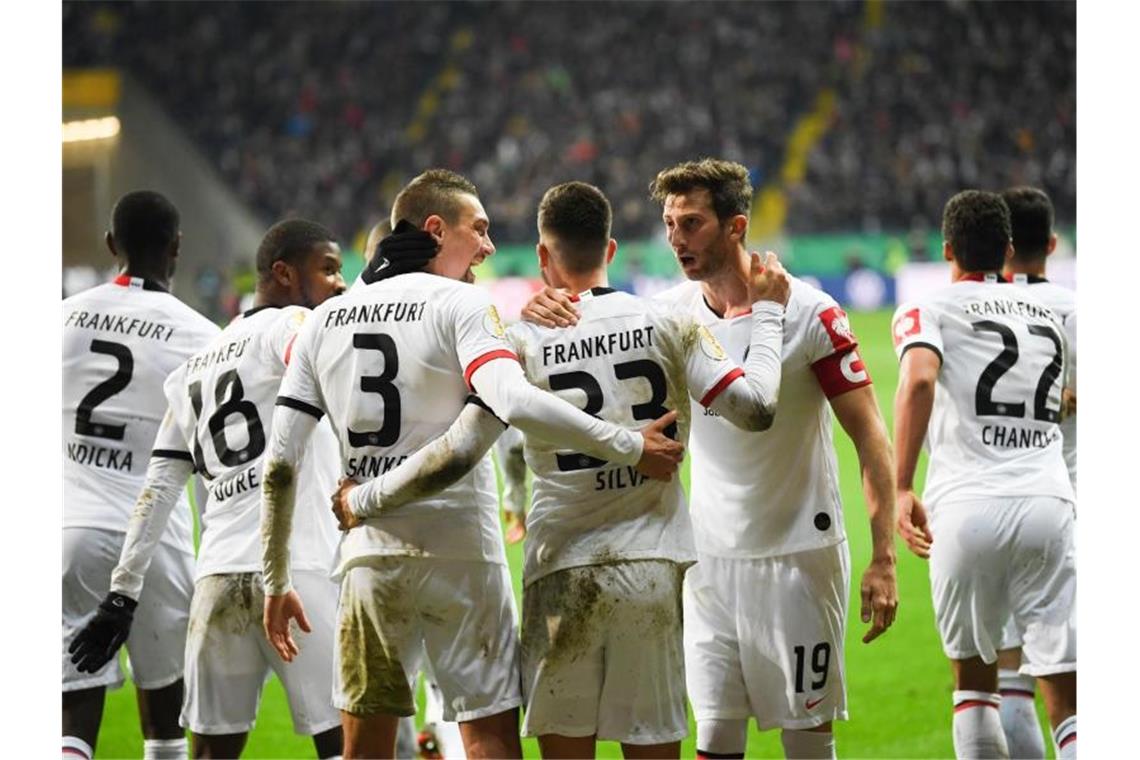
x: 289, y: 349
x: 721, y: 384
x: 1067, y: 740
x: 499, y: 353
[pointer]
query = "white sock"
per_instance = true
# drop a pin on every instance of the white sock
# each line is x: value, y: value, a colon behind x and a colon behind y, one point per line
x: 75, y: 748
x: 1065, y: 735
x: 812, y: 745
x: 977, y: 726
x: 1019, y: 715
x: 165, y: 749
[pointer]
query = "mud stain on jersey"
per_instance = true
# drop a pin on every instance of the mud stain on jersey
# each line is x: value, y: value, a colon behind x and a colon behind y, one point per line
x: 372, y: 678
x: 276, y: 522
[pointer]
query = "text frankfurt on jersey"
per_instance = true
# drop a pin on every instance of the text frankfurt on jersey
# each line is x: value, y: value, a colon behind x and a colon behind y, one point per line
x: 121, y: 324
x: 993, y: 306
x: 376, y: 312
x: 230, y: 351
x: 1005, y: 437
x: 598, y: 345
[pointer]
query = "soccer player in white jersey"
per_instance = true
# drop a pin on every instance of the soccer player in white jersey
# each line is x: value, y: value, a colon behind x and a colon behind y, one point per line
x: 766, y: 605
x: 219, y: 421
x: 1031, y: 222
x: 982, y: 363
x: 606, y: 548
x: 392, y: 365
x: 119, y: 341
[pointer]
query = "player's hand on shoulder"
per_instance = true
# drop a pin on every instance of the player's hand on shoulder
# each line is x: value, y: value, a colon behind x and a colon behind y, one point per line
x: 280, y: 610
x: 550, y: 307
x: 660, y: 454
x: 767, y: 279
x: 99, y: 641
x: 880, y: 597
x: 345, y: 518
x: 913, y: 524
x: 407, y: 249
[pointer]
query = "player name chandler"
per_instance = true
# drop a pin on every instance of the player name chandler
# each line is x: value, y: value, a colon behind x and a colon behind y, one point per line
x: 376, y: 312
x: 1002, y: 437
x: 123, y: 325
x: 598, y: 345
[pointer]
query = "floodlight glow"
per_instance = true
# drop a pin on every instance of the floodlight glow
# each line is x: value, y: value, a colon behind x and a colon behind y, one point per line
x: 90, y: 129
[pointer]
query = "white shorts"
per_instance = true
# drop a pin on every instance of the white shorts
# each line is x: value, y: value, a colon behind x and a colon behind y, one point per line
x: 228, y: 658
x: 460, y: 615
x: 602, y: 653
x: 764, y: 638
x: 158, y: 634
x: 993, y: 560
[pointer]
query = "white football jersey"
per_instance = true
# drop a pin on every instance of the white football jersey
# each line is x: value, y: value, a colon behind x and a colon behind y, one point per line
x: 221, y: 401
x: 390, y: 364
x: 1063, y: 302
x: 120, y: 341
x: 627, y: 361
x: 994, y: 427
x: 774, y: 492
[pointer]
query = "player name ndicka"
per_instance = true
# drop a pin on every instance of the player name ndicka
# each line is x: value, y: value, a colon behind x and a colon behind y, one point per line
x: 246, y: 480
x: 117, y: 323
x: 1002, y: 437
x: 372, y: 467
x: 376, y: 312
x: 625, y: 476
x: 99, y: 456
x: 597, y: 345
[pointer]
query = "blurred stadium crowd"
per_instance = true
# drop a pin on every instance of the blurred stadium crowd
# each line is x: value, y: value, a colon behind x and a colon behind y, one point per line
x: 324, y: 109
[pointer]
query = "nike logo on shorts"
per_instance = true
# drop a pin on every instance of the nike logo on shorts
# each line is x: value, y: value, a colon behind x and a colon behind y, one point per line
x: 809, y: 704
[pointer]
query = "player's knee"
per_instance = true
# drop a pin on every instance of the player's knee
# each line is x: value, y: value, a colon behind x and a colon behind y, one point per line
x: 722, y: 738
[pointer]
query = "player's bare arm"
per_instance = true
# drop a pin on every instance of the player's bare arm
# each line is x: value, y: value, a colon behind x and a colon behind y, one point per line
x: 914, y: 400
x: 291, y: 432
x: 166, y: 476
x: 550, y: 307
x: 858, y: 413
x: 430, y: 470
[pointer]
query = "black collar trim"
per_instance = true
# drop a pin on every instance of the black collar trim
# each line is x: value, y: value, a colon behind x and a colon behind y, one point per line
x: 127, y: 281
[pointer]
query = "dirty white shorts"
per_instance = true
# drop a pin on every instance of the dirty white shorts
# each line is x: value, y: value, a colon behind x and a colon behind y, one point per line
x: 602, y: 653
x: 459, y: 614
x: 228, y: 658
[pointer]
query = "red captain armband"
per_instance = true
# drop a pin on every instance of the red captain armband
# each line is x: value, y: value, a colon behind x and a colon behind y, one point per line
x: 841, y: 372
x: 906, y: 325
x: 479, y: 361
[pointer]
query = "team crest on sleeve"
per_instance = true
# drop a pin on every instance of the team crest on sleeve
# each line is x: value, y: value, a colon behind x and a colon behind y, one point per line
x: 906, y: 325
x: 710, y: 345
x: 298, y: 319
x: 492, y: 324
x: 838, y: 327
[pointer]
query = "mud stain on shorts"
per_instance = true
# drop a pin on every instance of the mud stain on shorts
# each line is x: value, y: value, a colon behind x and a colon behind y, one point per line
x: 230, y: 604
x: 372, y: 678
x: 567, y: 611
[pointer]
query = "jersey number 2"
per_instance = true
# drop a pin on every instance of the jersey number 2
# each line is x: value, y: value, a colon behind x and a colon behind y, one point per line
x: 103, y: 391
x: 984, y: 404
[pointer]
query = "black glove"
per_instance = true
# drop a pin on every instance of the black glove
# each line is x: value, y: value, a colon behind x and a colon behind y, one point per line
x: 407, y: 249
x: 100, y: 639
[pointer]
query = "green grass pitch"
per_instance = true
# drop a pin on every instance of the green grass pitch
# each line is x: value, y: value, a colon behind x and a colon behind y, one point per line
x: 898, y: 687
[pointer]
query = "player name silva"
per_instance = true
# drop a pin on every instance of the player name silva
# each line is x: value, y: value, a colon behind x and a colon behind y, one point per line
x: 597, y: 345
x: 376, y: 312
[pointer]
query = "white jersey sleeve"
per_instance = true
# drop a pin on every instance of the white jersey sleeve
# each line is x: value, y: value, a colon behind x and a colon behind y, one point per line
x: 993, y: 429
